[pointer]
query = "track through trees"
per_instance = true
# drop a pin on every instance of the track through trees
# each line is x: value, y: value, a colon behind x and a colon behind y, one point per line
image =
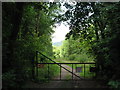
x: 66, y: 84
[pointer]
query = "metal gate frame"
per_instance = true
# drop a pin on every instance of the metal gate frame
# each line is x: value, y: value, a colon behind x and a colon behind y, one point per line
x: 59, y: 64
x: 73, y: 74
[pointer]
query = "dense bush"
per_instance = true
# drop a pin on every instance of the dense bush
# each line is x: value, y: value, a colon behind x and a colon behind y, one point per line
x: 9, y: 79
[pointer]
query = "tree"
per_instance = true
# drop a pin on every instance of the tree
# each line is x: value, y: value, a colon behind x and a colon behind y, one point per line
x: 27, y: 28
x: 102, y: 38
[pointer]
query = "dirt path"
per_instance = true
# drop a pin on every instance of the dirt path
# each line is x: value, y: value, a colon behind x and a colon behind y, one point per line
x: 66, y: 84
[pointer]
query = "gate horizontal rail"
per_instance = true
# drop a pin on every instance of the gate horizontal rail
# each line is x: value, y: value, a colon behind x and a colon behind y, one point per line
x: 66, y: 63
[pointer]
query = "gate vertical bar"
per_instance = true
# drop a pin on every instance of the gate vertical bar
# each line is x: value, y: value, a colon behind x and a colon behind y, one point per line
x: 75, y: 67
x: 72, y: 71
x: 33, y: 68
x: 84, y: 70
x: 60, y: 72
x: 48, y: 71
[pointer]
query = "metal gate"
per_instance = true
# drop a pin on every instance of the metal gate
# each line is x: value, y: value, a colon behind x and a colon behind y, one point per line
x: 77, y: 71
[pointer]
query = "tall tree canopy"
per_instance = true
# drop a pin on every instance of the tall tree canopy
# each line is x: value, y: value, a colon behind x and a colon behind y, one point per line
x: 98, y: 24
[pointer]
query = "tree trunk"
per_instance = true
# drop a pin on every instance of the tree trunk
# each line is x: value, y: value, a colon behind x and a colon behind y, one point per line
x: 96, y: 31
x: 16, y: 21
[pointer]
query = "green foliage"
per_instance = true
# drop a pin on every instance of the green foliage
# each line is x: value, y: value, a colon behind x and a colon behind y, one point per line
x: 82, y: 58
x: 76, y: 50
x: 27, y: 28
x: 96, y: 26
x: 57, y: 52
x: 114, y: 84
x: 72, y: 57
x: 9, y: 78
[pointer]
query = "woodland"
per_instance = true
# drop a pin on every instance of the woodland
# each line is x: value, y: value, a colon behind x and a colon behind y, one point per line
x: 27, y: 27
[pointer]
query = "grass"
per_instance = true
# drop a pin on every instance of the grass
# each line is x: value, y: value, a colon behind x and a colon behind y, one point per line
x: 68, y: 77
x: 43, y: 75
x: 65, y: 61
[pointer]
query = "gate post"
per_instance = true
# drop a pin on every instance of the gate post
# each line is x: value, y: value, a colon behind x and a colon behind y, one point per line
x: 33, y: 69
x: 84, y: 70
x: 48, y: 71
x: 72, y: 71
